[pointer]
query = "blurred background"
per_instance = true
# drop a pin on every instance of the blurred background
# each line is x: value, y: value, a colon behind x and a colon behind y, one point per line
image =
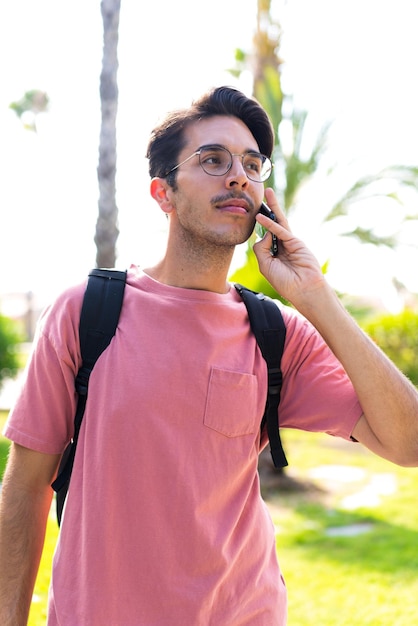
x: 338, y: 80
x: 347, y: 64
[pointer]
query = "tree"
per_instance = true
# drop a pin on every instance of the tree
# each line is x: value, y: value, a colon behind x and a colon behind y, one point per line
x: 106, y: 227
x: 295, y: 162
x: 36, y: 101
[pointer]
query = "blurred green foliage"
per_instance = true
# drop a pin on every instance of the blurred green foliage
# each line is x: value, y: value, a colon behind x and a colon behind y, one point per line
x: 29, y: 106
x: 397, y: 336
x: 249, y: 275
x: 10, y: 338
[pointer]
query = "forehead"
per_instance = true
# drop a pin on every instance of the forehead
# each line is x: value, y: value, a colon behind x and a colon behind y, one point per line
x: 224, y: 130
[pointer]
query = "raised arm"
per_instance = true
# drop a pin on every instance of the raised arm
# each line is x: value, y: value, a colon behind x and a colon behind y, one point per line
x: 389, y: 425
x: 24, y: 506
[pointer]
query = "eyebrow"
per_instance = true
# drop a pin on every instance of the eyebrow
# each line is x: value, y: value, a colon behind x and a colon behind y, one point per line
x: 219, y: 145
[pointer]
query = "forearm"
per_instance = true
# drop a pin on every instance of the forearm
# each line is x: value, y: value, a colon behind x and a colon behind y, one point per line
x: 22, y: 531
x: 388, y: 399
x: 24, y: 506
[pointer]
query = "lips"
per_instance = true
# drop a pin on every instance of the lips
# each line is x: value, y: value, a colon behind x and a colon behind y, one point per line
x: 234, y: 205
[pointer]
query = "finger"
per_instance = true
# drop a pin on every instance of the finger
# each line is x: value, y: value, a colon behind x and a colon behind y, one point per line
x: 274, y: 205
x: 278, y: 228
x: 263, y: 246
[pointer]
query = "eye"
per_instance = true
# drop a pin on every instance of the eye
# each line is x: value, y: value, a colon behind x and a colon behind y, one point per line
x: 253, y: 162
x: 214, y: 158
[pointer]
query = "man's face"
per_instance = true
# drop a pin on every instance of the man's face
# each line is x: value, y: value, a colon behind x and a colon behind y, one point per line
x: 217, y: 210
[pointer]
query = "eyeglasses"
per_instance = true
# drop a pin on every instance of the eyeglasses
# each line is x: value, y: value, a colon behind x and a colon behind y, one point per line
x: 217, y: 161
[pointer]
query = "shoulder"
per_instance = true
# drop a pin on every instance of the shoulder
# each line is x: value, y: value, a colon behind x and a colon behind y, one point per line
x: 69, y: 301
x: 60, y: 318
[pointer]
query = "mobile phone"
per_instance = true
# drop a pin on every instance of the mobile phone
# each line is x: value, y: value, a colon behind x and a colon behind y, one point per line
x: 265, y: 210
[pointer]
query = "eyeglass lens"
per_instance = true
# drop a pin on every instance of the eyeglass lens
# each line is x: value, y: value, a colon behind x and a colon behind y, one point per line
x: 217, y: 161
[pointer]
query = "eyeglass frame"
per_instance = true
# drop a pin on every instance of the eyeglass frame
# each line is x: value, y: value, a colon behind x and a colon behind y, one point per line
x: 218, y: 146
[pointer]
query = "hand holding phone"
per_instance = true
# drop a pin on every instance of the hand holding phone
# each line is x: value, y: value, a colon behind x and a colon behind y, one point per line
x: 265, y: 210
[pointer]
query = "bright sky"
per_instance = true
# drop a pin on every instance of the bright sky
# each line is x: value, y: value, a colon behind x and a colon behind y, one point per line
x: 353, y: 61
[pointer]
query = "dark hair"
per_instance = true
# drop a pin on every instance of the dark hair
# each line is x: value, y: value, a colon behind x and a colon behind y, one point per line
x: 167, y: 139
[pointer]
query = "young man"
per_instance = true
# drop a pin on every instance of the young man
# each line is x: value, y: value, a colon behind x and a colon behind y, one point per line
x: 164, y: 523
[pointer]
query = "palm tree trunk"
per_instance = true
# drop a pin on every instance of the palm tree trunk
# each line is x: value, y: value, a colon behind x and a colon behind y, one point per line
x: 106, y: 227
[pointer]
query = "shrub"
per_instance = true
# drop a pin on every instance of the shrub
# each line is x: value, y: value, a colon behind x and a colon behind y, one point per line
x: 10, y: 338
x: 397, y: 336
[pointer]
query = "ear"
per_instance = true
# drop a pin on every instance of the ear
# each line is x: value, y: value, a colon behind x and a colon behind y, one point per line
x: 162, y: 192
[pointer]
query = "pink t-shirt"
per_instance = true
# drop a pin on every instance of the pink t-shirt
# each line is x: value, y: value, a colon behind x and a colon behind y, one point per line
x: 164, y: 524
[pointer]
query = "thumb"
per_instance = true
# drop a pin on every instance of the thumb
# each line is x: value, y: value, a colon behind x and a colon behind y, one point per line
x: 262, y: 248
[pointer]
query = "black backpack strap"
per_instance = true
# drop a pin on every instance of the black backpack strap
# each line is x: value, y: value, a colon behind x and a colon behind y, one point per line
x: 268, y: 326
x: 98, y: 322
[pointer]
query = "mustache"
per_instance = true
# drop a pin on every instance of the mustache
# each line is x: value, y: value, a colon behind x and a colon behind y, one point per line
x: 233, y: 196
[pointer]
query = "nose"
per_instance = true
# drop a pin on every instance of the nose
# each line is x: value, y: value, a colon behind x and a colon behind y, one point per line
x: 236, y: 176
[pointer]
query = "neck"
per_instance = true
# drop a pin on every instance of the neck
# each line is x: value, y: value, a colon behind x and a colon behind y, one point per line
x: 204, y: 267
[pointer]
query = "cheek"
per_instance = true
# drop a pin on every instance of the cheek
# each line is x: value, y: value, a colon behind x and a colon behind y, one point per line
x: 192, y: 198
x: 185, y: 209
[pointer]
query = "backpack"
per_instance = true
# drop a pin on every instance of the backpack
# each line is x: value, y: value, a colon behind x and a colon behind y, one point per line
x: 99, y: 317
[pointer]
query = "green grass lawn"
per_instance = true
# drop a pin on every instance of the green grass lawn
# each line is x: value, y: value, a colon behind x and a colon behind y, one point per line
x: 333, y: 579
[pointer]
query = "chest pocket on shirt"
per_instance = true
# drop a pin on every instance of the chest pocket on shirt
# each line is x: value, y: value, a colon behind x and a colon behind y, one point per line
x: 231, y: 403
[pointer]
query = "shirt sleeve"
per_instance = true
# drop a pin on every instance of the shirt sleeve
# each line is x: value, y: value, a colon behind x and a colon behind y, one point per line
x: 317, y: 394
x: 43, y: 415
